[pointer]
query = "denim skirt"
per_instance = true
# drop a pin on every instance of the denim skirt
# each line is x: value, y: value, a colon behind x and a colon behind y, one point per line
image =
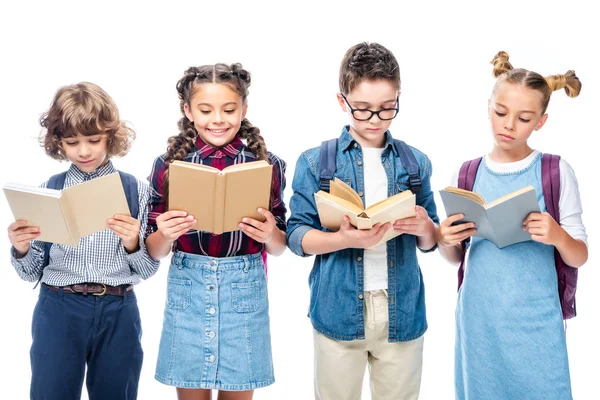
x: 216, y: 331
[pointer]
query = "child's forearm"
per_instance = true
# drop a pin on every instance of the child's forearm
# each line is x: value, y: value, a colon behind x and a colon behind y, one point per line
x: 158, y: 247
x: 573, y: 252
x: 427, y: 241
x: 276, y: 246
x: 453, y: 254
x: 319, y: 242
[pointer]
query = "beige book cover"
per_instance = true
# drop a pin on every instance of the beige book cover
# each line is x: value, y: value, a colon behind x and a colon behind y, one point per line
x: 343, y: 200
x: 499, y: 221
x: 220, y: 199
x: 65, y: 216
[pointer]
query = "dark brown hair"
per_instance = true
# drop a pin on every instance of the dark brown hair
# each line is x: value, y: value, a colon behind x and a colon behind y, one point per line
x: 504, y: 71
x: 86, y: 109
x: 368, y: 61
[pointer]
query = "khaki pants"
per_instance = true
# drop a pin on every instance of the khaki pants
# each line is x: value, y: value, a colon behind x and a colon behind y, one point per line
x: 394, y: 368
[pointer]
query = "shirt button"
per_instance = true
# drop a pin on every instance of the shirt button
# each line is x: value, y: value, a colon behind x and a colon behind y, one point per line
x: 390, y: 194
x: 91, y: 265
x: 91, y: 239
x: 358, y: 258
x: 211, y: 311
x: 211, y: 358
x: 211, y: 334
x: 360, y: 296
x: 359, y: 162
x: 355, y: 145
x: 211, y: 287
x: 360, y: 194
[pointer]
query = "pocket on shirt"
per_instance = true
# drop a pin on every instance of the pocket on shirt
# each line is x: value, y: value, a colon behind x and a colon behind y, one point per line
x: 245, y: 296
x: 179, y: 293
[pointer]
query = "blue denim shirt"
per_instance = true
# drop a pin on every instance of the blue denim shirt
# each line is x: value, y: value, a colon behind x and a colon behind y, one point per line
x: 336, y: 280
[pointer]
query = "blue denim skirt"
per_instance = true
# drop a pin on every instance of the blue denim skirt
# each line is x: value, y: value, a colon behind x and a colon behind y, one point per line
x: 216, y: 331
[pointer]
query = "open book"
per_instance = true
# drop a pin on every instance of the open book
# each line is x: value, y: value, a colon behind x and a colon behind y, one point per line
x: 65, y: 216
x: 343, y: 200
x: 500, y: 221
x: 220, y: 199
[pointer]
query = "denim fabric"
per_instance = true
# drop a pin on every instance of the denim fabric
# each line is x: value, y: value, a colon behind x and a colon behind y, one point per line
x: 71, y: 331
x: 510, y: 339
x: 336, y: 279
x: 216, y: 326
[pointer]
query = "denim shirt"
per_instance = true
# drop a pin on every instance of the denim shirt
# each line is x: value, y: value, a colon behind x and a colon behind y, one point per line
x: 336, y: 280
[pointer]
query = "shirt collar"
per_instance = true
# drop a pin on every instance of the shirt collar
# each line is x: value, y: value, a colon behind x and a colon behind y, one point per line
x: 346, y: 140
x: 103, y: 170
x: 232, y: 149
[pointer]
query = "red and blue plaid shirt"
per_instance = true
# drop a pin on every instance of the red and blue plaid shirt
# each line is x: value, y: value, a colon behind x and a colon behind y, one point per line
x: 228, y: 244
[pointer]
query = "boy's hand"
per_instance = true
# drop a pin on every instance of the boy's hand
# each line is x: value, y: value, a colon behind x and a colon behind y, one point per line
x: 128, y: 229
x: 173, y: 224
x: 361, y: 238
x: 20, y: 235
x: 543, y: 228
x: 450, y: 235
x: 419, y: 225
x: 262, y: 232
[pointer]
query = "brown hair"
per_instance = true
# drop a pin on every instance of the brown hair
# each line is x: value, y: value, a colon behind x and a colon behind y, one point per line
x: 504, y: 71
x: 368, y: 61
x: 234, y: 76
x: 86, y: 109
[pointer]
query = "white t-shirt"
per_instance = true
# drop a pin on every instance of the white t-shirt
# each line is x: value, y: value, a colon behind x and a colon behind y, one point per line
x: 569, y: 203
x: 376, y: 188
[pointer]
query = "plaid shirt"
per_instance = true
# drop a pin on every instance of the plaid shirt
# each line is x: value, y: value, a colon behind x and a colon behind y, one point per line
x: 99, y: 258
x: 228, y: 244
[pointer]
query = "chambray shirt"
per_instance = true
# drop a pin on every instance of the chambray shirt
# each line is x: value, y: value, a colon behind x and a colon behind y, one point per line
x: 98, y: 258
x: 336, y: 280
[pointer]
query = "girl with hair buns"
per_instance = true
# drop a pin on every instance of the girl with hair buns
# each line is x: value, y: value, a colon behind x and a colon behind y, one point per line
x: 216, y: 324
x: 510, y: 338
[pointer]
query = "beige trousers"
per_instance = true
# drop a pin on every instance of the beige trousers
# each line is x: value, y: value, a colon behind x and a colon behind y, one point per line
x: 394, y: 368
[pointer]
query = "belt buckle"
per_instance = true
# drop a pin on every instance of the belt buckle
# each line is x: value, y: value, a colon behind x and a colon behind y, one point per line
x: 103, y: 291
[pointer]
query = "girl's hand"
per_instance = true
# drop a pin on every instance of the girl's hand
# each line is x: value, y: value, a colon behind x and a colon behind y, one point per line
x: 450, y: 235
x: 419, y: 225
x: 173, y: 224
x: 543, y: 228
x: 20, y: 235
x: 361, y: 238
x: 262, y: 232
x: 128, y: 229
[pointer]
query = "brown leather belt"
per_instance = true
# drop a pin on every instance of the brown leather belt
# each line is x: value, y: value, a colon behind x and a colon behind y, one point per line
x: 95, y: 289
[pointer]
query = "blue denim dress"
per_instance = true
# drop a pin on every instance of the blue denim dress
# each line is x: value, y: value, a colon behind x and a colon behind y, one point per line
x: 216, y: 331
x: 510, y: 339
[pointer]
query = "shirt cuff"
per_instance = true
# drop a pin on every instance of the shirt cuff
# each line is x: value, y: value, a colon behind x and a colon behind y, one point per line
x: 294, y: 240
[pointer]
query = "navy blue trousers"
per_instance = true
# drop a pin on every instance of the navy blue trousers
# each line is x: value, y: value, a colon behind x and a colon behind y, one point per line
x: 72, y: 331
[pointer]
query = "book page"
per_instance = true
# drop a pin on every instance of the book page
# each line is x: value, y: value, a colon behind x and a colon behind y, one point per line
x: 474, y: 212
x: 92, y: 203
x: 41, y: 209
x: 246, y: 189
x: 509, y: 196
x: 332, y: 209
x: 341, y: 189
x: 193, y: 190
x: 476, y: 197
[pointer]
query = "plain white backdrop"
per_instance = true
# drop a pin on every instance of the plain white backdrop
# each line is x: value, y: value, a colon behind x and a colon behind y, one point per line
x: 138, y: 51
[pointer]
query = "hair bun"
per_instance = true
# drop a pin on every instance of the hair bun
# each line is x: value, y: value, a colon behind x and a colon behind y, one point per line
x: 501, y: 63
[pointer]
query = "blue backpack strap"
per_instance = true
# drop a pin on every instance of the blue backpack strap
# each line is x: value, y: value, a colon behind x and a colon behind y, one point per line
x: 409, y: 162
x: 131, y: 193
x: 327, y: 163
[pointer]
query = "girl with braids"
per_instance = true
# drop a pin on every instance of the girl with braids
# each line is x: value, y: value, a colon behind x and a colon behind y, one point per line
x: 216, y: 325
x: 510, y: 339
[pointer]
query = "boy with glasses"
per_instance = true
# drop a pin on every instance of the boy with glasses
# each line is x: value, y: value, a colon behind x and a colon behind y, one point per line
x: 367, y: 303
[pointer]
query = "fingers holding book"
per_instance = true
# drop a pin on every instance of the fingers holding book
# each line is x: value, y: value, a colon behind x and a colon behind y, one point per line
x: 361, y: 238
x: 21, y: 234
x: 260, y: 231
x: 543, y: 228
x: 450, y: 233
x: 173, y: 224
x: 128, y: 229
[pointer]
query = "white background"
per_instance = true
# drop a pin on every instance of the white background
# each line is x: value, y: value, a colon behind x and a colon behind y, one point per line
x: 137, y: 52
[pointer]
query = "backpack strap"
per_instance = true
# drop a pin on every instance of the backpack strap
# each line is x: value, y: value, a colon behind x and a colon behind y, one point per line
x: 567, y: 275
x: 131, y: 193
x: 466, y: 181
x: 327, y: 163
x: 409, y: 162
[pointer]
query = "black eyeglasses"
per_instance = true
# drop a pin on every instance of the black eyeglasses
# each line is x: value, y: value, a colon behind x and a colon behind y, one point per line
x: 361, y: 114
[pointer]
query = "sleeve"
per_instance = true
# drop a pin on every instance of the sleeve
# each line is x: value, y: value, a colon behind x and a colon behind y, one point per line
x: 141, y: 262
x: 278, y: 208
x: 569, y: 203
x: 156, y: 205
x: 425, y: 197
x: 30, y: 266
x: 304, y: 216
